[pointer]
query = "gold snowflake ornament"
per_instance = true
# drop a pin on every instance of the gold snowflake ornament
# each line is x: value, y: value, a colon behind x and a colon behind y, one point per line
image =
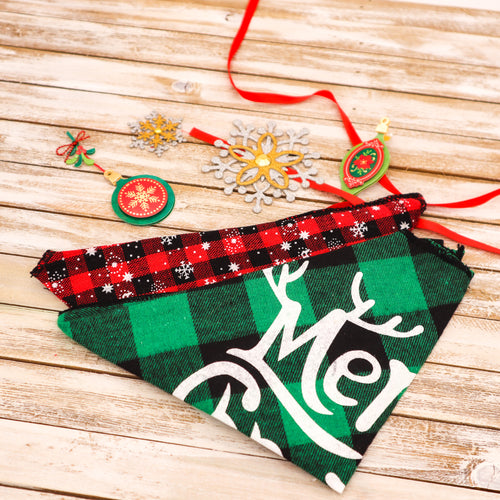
x: 156, y: 133
x: 264, y: 163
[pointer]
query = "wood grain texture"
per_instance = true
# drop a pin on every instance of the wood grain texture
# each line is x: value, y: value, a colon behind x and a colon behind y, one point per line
x: 73, y: 425
x: 153, y: 467
x: 174, y: 83
x: 54, y: 396
x: 17, y: 493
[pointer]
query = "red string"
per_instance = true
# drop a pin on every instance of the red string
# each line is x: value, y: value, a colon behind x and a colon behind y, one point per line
x: 327, y: 188
x: 66, y: 149
x: 267, y: 97
x: 96, y: 165
x: 205, y: 137
x: 439, y: 228
x: 353, y: 200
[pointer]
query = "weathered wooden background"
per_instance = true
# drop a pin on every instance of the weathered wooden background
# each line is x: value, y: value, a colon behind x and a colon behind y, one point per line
x: 72, y: 425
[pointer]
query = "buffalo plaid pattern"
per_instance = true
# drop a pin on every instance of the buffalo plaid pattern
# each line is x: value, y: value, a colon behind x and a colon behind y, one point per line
x: 167, y: 338
x: 106, y: 274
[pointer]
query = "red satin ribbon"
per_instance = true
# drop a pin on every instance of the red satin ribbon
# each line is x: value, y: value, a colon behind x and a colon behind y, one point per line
x: 471, y: 202
x: 435, y: 227
x: 266, y: 97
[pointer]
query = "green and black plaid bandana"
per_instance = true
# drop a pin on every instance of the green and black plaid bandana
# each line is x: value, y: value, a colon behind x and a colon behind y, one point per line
x: 307, y: 357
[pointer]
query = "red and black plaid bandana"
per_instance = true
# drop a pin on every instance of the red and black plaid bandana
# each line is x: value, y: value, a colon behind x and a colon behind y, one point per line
x: 106, y: 274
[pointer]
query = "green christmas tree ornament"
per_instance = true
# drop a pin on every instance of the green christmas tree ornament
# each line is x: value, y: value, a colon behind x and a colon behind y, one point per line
x: 367, y: 162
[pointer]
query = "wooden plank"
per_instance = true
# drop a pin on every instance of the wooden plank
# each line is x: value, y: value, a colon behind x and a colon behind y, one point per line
x: 15, y: 493
x: 374, y: 30
x: 454, y: 445
x: 61, y: 393
x: 361, y: 486
x: 410, y: 150
x: 58, y: 401
x: 17, y: 286
x: 32, y: 335
x: 182, y: 15
x: 465, y: 4
x: 478, y: 259
x: 482, y: 298
x: 465, y: 342
x: 29, y: 233
x: 60, y: 190
x: 189, y: 50
x: 75, y: 460
x: 477, y: 391
x: 211, y: 88
x: 81, y: 192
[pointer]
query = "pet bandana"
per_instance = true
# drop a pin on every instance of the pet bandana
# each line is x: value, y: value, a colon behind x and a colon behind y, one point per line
x: 301, y: 333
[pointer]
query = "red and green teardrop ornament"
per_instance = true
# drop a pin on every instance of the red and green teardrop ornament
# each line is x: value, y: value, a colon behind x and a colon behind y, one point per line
x: 365, y: 163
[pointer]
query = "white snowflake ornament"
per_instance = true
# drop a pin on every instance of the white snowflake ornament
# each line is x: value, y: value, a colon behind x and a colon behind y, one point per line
x: 264, y: 163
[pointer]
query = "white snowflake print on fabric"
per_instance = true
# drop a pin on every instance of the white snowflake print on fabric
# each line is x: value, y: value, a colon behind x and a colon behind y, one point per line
x: 404, y: 225
x: 286, y: 246
x: 128, y: 276
x: 233, y: 267
x: 56, y: 275
x: 114, y: 262
x: 304, y: 235
x: 167, y: 240
x: 264, y: 163
x: 107, y: 288
x: 185, y: 270
x: 205, y: 245
x: 91, y: 251
x: 359, y: 229
x: 399, y: 207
